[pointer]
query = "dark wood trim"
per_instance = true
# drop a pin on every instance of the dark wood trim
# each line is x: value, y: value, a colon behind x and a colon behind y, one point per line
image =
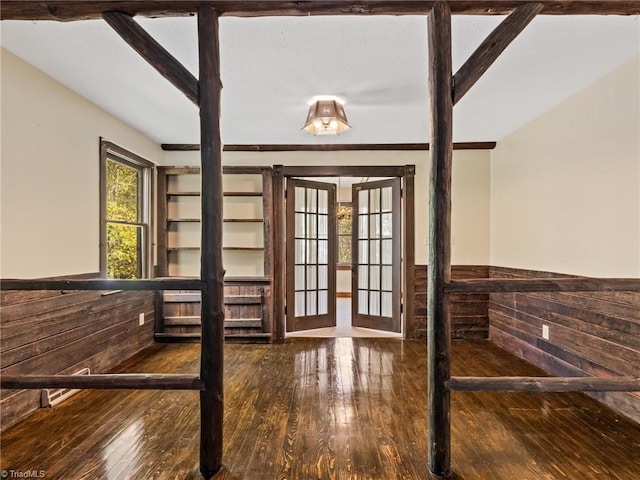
x: 64, y: 10
x: 544, y: 384
x: 491, y: 48
x: 162, y: 232
x: 103, y: 284
x: 158, y: 312
x: 154, y: 53
x: 343, y: 171
x: 343, y: 267
x: 439, y: 270
x: 191, y: 147
x: 127, y: 155
x: 343, y: 294
x: 494, y: 285
x: 267, y: 223
x: 102, y: 208
x: 279, y: 273
x: 211, y: 269
x: 227, y: 169
x: 120, y: 381
x: 409, y: 252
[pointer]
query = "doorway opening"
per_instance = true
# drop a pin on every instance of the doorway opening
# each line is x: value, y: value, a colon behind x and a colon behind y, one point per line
x: 345, y: 264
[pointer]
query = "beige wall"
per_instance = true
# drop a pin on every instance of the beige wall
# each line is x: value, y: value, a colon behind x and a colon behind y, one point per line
x: 470, y: 217
x: 565, y: 188
x: 49, y: 167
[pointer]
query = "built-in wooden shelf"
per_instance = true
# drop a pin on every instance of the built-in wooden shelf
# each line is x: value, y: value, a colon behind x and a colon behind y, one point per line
x: 253, y: 249
x: 183, y: 194
x: 176, y: 249
x: 183, y: 220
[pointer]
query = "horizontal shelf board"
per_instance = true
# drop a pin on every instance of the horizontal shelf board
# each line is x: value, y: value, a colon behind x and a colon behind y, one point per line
x: 183, y: 219
x: 183, y: 194
x: 244, y: 220
x: 242, y: 194
x: 174, y: 249
x: 250, y: 249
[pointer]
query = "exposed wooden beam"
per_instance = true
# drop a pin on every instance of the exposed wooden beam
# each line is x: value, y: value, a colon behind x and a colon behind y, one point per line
x: 439, y: 270
x: 103, y: 284
x: 66, y: 10
x: 211, y: 269
x: 491, y: 48
x: 120, y: 381
x: 502, y: 285
x: 544, y: 384
x: 154, y: 53
x: 181, y: 147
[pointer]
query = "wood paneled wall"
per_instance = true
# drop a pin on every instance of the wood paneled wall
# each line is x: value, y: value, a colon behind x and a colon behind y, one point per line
x: 53, y: 332
x: 469, y: 318
x: 590, y: 334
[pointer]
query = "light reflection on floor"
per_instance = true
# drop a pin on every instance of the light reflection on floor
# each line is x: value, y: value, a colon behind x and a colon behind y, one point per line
x: 343, y: 326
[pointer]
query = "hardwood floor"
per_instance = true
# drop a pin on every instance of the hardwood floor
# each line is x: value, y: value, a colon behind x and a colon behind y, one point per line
x: 321, y: 408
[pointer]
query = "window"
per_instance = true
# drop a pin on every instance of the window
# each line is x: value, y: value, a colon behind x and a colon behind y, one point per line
x: 125, y: 245
x: 343, y: 216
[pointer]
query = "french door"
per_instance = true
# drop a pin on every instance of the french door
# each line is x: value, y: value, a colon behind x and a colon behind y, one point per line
x: 376, y: 261
x: 311, y: 255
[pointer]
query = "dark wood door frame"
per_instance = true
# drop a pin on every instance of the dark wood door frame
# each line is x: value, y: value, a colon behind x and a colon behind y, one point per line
x: 406, y: 173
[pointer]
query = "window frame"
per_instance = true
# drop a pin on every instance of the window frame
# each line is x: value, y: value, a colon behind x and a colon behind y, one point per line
x: 112, y: 152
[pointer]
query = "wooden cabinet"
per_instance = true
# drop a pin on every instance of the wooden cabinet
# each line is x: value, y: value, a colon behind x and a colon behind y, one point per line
x: 247, y: 252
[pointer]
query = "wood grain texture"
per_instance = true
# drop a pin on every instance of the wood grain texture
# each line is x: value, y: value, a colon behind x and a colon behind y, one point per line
x: 469, y: 313
x: 439, y: 220
x: 122, y: 381
x: 211, y: 267
x: 327, y: 409
x: 491, y: 48
x: 590, y: 333
x: 65, y: 332
x: 544, y: 384
x: 581, y: 284
x: 154, y: 53
x: 65, y: 10
x: 190, y: 147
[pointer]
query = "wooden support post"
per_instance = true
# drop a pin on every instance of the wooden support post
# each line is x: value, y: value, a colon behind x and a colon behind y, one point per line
x: 278, y: 286
x: 438, y: 323
x: 211, y: 270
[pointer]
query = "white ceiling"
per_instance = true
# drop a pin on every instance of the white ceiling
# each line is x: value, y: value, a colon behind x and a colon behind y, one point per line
x: 271, y: 68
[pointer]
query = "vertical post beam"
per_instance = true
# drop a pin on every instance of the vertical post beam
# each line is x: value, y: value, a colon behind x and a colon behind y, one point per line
x: 211, y: 270
x: 409, y: 252
x: 279, y: 286
x: 438, y: 323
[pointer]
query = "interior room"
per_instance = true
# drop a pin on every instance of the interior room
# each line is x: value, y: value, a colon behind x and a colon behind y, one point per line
x: 359, y: 240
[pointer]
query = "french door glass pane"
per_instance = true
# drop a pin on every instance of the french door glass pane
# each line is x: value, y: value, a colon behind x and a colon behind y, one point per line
x: 363, y: 302
x: 363, y: 231
x: 311, y: 251
x: 300, y: 304
x: 323, y: 251
x: 300, y: 225
x: 323, y: 302
x: 323, y: 201
x: 300, y: 202
x: 299, y: 276
x: 386, y: 251
x: 374, y: 308
x: 387, y: 225
x: 374, y: 230
x: 363, y: 251
x: 323, y: 226
x: 375, y: 200
x: 311, y: 277
x: 387, y: 280
x: 323, y: 277
x: 363, y: 201
x: 301, y: 251
x: 312, y: 226
x: 312, y: 197
x: 374, y: 254
x: 311, y: 303
x: 386, y: 307
x: 375, y: 277
x: 387, y: 199
x: 363, y: 277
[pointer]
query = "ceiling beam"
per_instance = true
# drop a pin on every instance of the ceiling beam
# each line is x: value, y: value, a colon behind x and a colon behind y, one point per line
x: 188, y: 147
x: 68, y: 10
x: 491, y: 48
x: 154, y: 53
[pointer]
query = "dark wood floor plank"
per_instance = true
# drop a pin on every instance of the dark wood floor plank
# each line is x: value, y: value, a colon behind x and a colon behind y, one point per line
x: 335, y: 409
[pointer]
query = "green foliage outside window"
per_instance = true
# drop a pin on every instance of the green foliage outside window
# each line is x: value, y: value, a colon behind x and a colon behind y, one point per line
x: 123, y: 240
x: 344, y: 233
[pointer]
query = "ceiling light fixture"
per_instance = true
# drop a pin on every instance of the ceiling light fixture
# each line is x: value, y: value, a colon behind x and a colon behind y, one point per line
x: 326, y: 117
